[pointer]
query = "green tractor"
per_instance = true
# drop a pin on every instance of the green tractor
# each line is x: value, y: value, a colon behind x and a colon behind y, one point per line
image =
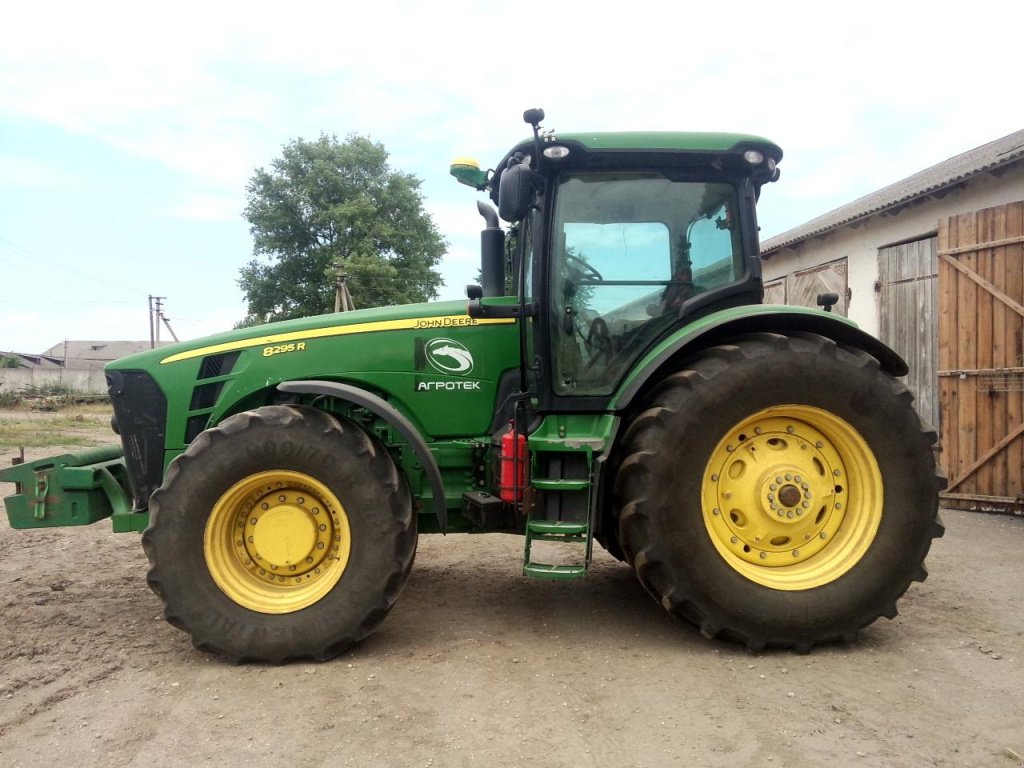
x: 615, y: 377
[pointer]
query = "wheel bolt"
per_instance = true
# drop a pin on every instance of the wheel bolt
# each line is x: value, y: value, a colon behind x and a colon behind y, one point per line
x: 772, y: 487
x: 823, y: 535
x: 790, y: 430
x: 796, y: 553
x: 757, y: 430
x: 733, y: 540
x: 714, y: 478
x: 819, y: 444
x: 716, y: 511
x: 764, y: 555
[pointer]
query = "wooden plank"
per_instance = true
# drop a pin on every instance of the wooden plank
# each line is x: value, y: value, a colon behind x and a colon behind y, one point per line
x: 967, y: 311
x: 947, y: 349
x: 1014, y: 352
x: 992, y: 243
x: 931, y: 294
x: 981, y: 371
x: 984, y: 426
x: 997, y: 400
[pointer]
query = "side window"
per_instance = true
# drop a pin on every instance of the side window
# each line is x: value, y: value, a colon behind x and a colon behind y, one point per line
x: 628, y: 252
x: 713, y: 248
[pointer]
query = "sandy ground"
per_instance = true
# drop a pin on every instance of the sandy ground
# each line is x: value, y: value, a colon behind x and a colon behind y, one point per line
x: 477, y: 666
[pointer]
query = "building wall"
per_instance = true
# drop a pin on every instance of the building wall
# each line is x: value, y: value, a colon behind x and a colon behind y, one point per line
x: 91, y: 382
x: 860, y: 243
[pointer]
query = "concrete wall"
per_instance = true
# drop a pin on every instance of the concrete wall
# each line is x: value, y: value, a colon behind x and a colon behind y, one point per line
x: 860, y: 243
x: 86, y: 381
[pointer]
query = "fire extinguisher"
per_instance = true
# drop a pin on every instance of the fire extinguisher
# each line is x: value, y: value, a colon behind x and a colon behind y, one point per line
x: 512, y: 463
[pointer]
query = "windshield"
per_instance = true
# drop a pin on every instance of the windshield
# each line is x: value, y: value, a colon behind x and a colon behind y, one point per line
x: 628, y: 251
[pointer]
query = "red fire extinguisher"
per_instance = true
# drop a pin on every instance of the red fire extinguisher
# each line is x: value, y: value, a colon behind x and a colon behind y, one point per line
x: 512, y: 462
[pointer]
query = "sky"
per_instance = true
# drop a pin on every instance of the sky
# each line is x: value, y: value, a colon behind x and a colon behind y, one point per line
x: 128, y: 131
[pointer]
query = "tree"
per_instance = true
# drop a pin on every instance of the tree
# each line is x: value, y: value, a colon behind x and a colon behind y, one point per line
x: 326, y: 205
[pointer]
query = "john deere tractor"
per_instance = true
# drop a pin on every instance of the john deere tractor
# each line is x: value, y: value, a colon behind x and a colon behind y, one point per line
x: 614, y: 377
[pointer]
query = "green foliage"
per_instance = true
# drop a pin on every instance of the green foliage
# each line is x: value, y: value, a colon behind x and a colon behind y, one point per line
x: 327, y: 204
x: 9, y: 362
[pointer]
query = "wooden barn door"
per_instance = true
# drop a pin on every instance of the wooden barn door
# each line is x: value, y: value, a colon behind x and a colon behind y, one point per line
x: 908, y: 317
x: 981, y: 357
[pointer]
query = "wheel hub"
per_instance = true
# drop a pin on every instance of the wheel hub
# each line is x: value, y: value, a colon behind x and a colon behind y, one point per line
x: 277, y: 541
x: 775, y: 494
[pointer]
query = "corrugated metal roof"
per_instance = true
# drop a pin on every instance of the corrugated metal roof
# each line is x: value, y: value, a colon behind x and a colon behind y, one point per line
x: 988, y: 157
x: 104, y: 351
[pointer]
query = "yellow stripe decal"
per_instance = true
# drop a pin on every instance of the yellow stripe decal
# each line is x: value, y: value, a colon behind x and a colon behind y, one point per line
x: 439, y: 323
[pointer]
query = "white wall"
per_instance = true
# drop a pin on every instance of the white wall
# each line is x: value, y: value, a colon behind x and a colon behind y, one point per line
x: 86, y: 381
x: 860, y: 243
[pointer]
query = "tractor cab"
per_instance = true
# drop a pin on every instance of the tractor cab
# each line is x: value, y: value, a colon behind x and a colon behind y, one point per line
x: 616, y: 241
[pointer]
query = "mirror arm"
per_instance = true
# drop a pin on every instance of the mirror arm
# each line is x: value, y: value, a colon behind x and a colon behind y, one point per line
x: 479, y: 310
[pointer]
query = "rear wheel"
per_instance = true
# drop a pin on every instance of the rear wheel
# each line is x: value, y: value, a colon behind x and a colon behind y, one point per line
x: 779, y: 491
x: 281, y: 533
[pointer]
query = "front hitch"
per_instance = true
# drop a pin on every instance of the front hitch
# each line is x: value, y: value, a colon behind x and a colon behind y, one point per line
x: 72, y: 489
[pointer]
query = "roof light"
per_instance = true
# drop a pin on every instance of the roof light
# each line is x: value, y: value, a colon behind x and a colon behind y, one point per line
x: 556, y: 152
x: 753, y: 156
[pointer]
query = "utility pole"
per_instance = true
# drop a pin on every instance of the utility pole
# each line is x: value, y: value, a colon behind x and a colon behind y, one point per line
x: 156, y: 316
x: 342, y: 298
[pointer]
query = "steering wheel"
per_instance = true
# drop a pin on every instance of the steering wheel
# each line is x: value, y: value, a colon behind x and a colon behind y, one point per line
x: 584, y: 266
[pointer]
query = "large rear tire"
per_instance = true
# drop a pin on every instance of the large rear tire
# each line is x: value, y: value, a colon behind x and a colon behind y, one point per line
x: 778, y: 491
x: 282, y: 533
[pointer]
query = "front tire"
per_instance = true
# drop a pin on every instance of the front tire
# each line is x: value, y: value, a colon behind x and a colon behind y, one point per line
x: 282, y: 533
x: 779, y: 491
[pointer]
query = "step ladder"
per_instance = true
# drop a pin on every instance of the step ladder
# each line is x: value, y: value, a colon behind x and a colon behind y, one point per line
x: 560, y: 514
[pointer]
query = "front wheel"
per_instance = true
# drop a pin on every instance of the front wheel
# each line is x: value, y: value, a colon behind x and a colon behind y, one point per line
x: 281, y: 533
x: 778, y: 491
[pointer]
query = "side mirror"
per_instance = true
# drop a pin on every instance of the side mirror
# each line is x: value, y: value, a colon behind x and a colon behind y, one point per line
x: 515, y: 192
x: 828, y: 300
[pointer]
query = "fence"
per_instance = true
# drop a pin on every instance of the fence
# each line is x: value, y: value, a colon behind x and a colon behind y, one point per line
x: 89, y: 381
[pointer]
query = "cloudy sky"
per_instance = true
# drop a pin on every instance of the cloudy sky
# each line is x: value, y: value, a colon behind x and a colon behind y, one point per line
x: 128, y: 131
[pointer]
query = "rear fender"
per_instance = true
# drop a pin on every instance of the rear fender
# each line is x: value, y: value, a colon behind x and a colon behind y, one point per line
x: 716, y: 328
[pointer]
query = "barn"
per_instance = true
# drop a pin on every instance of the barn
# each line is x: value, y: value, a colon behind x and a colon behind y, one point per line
x: 934, y: 266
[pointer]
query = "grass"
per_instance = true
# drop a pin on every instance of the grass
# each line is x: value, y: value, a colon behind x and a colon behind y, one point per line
x: 75, y: 426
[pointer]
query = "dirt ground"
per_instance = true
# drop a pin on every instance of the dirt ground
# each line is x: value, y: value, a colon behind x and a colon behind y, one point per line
x: 477, y: 666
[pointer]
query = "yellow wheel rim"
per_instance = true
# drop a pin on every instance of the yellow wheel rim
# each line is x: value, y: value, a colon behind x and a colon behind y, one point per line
x: 792, y: 497
x: 277, y: 541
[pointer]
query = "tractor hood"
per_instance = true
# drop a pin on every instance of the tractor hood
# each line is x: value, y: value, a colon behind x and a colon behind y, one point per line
x: 302, y: 330
x: 432, y: 361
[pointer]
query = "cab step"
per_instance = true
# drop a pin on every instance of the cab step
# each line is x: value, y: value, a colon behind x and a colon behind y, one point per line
x: 554, y: 572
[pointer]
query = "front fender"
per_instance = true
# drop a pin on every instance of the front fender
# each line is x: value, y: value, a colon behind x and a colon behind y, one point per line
x: 714, y: 328
x: 382, y: 408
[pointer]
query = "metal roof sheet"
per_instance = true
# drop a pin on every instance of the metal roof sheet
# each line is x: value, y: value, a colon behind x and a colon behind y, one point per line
x: 988, y: 157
